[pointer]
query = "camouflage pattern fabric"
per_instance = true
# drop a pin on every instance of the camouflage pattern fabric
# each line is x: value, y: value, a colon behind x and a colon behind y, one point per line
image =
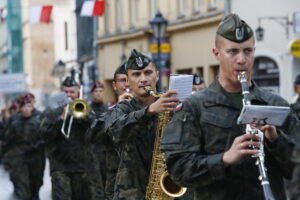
x: 67, y: 156
x: 112, y: 160
x: 296, y: 108
x: 70, y: 186
x: 294, y: 186
x: 25, y: 156
x: 97, y: 139
x: 199, y: 134
x: 133, y: 132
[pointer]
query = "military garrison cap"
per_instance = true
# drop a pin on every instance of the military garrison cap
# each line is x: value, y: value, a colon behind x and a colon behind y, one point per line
x: 121, y: 69
x: 297, y: 80
x: 234, y: 29
x: 69, y: 82
x: 197, y: 80
x: 137, y: 60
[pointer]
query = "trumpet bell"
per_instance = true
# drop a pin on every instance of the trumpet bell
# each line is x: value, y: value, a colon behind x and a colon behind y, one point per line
x: 169, y: 187
x: 79, y: 108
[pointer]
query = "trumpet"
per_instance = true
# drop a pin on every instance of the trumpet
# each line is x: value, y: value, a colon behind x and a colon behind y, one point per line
x: 78, y: 108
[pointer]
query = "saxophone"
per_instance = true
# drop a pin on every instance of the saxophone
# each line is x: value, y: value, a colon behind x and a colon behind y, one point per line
x: 160, y: 185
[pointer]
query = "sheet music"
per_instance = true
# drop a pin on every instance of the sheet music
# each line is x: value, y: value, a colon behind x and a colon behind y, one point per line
x: 272, y: 115
x: 182, y: 83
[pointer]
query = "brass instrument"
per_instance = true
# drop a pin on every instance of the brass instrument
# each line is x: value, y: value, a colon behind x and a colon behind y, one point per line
x: 260, y: 162
x: 78, y: 108
x: 161, y: 186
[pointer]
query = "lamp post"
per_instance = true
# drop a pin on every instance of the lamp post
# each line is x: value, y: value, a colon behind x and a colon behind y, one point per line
x: 59, y: 70
x: 284, y: 21
x: 159, y: 26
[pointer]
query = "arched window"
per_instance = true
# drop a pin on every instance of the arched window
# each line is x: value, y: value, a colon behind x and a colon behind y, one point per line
x: 266, y: 74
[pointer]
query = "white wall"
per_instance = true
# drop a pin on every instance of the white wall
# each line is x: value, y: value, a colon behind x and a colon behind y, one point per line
x: 276, y: 43
x: 64, y: 12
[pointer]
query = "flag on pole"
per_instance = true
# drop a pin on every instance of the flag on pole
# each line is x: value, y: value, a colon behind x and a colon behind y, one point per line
x: 92, y: 8
x: 40, y: 14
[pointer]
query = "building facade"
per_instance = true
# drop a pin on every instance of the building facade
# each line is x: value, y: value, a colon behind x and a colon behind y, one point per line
x: 191, y: 31
x: 275, y: 67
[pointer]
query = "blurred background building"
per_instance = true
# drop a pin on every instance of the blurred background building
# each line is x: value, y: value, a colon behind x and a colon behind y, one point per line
x: 47, y: 50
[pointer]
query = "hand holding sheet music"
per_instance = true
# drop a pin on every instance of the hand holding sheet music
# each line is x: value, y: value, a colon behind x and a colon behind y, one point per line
x: 182, y: 84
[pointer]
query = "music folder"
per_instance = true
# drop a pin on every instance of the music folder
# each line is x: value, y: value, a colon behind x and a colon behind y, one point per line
x: 257, y: 114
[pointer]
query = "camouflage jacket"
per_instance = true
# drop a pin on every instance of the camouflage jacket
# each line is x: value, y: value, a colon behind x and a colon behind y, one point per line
x: 67, y: 155
x: 133, y: 132
x: 296, y: 108
x: 99, y: 108
x: 198, y: 135
x: 23, y: 136
x: 294, y: 187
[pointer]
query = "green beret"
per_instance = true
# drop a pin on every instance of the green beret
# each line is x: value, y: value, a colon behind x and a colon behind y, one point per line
x: 69, y: 82
x: 137, y: 60
x: 234, y: 29
x: 121, y: 69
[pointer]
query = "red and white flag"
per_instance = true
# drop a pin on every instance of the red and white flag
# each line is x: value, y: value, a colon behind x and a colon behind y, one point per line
x: 92, y: 8
x: 40, y: 14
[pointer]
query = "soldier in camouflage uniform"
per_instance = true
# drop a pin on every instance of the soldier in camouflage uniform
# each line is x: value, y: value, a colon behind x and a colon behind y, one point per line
x: 69, y: 157
x: 133, y: 125
x: 120, y: 85
x: 205, y: 148
x: 24, y: 155
x: 98, y: 140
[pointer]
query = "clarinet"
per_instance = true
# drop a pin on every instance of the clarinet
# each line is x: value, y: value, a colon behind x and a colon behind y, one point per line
x: 250, y: 130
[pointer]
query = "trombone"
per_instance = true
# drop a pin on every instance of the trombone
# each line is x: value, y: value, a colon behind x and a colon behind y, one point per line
x: 78, y: 108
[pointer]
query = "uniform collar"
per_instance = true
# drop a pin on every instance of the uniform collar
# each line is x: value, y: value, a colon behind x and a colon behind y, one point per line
x: 216, y: 95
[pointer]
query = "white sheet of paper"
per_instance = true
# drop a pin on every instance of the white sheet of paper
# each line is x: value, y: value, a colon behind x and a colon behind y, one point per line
x: 272, y: 115
x: 182, y: 83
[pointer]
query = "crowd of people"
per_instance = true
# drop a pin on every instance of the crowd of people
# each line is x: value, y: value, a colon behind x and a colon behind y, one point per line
x: 107, y: 154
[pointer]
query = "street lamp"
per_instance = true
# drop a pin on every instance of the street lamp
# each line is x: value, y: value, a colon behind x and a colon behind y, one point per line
x: 284, y: 21
x: 59, y: 70
x: 159, y: 26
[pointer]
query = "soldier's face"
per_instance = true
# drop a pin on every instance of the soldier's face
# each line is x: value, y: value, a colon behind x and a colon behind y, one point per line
x: 97, y: 94
x: 234, y: 58
x: 120, y: 84
x: 27, y: 109
x: 138, y: 79
x: 71, y: 92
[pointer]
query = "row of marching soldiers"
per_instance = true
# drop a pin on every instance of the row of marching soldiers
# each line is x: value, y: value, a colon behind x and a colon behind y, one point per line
x: 108, y: 153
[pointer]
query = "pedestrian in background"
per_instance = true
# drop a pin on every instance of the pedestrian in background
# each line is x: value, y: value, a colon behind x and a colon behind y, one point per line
x: 24, y: 152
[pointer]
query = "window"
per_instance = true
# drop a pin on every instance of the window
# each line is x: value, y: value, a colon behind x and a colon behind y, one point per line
x: 185, y: 71
x: 212, y: 4
x: 213, y: 73
x: 266, y: 74
x: 153, y: 8
x: 181, y: 8
x: 119, y: 14
x: 196, y: 5
x: 133, y: 13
